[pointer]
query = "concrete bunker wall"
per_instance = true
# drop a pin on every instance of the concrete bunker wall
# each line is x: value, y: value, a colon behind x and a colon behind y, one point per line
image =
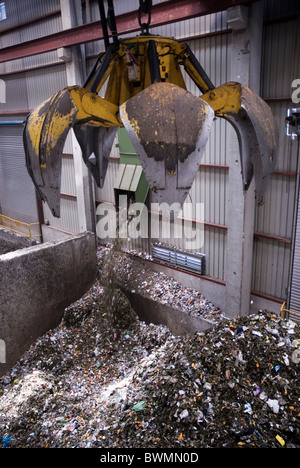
x: 151, y: 311
x: 36, y: 285
x: 10, y: 241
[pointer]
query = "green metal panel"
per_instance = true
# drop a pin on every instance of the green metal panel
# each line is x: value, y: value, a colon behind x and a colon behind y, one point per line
x: 130, y: 177
x: 142, y: 189
x: 127, y: 151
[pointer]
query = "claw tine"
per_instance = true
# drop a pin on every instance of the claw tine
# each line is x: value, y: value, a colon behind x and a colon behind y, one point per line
x: 44, y: 137
x: 169, y: 128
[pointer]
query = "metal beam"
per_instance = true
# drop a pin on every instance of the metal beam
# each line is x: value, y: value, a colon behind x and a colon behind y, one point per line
x: 162, y: 13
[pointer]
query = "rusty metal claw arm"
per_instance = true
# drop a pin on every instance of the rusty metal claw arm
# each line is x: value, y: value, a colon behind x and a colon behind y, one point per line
x: 94, y: 121
x: 195, y: 71
x: 251, y: 118
x: 256, y: 129
x: 48, y: 125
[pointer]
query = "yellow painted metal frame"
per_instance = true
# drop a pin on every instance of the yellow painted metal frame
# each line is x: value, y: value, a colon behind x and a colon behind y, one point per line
x: 224, y: 99
x: 7, y: 223
x: 285, y: 313
x: 87, y: 106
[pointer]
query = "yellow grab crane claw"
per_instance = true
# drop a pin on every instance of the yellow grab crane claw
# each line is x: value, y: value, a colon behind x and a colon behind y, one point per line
x: 146, y: 93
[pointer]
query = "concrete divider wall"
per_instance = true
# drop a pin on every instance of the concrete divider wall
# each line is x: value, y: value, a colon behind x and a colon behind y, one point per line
x: 152, y: 311
x: 36, y: 285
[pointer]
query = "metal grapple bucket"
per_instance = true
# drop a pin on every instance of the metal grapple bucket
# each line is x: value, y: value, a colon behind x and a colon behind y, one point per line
x: 168, y: 128
x: 45, y: 134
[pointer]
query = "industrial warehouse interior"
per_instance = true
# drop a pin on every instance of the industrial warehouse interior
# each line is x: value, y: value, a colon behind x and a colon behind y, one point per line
x: 149, y: 226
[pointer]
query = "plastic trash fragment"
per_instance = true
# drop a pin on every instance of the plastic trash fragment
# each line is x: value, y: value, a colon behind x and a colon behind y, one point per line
x: 6, y: 440
x: 280, y: 440
x: 296, y: 356
x: 139, y: 406
x: 184, y: 414
x: 296, y: 352
x: 247, y: 408
x: 286, y: 359
x: 257, y: 333
x: 274, y: 405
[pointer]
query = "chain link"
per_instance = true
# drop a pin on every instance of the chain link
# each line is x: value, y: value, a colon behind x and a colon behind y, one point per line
x: 145, y: 7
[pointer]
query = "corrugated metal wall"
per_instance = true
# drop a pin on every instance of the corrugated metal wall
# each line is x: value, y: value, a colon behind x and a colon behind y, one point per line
x: 19, y: 12
x: 274, y: 220
x: 33, y: 79
x: 17, y: 194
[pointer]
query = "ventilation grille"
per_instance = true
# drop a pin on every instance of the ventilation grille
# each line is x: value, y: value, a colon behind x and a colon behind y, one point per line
x: 194, y: 263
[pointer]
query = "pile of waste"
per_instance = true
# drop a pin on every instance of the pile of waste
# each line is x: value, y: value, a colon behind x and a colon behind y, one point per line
x: 7, y: 246
x: 90, y: 384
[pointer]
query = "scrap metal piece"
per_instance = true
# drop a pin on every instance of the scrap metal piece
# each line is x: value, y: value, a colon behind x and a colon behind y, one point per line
x: 168, y: 128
